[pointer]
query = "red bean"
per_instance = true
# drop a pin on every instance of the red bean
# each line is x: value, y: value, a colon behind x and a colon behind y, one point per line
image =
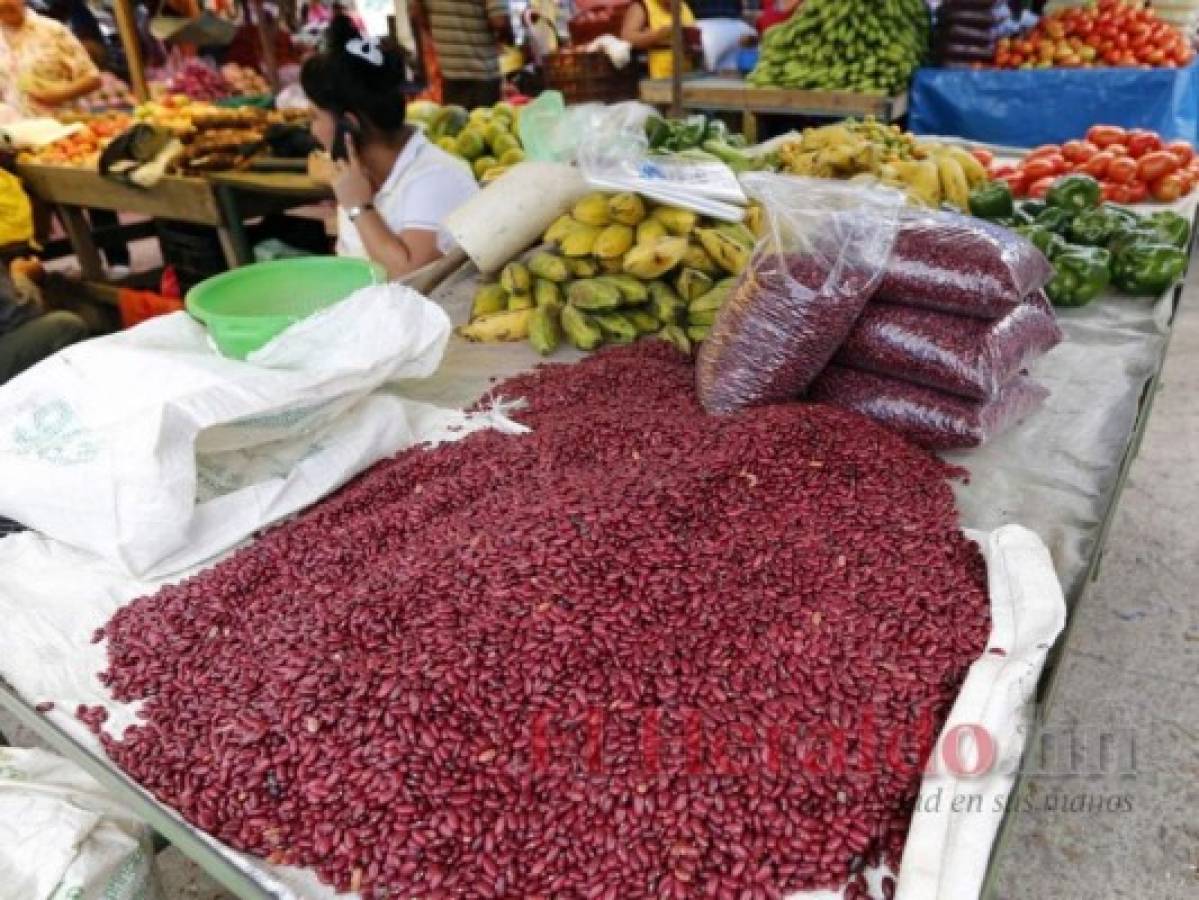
x: 795, y: 570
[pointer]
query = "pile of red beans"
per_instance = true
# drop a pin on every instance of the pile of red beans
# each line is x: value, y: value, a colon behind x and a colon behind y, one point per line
x: 637, y: 652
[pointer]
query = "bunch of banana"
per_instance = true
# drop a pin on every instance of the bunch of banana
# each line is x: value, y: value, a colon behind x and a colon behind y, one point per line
x: 620, y: 269
x: 930, y: 173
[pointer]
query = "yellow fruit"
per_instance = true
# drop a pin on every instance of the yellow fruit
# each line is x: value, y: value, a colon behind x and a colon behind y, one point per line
x: 490, y: 298
x: 469, y: 144
x: 513, y: 156
x: 592, y: 210
x: 545, y: 329
x: 613, y: 241
x: 548, y: 266
x: 650, y: 230
x: 595, y: 294
x: 583, y: 267
x: 755, y: 219
x: 494, y: 132
x: 626, y: 208
x: 546, y: 293
x: 448, y: 144
x: 482, y: 164
x: 665, y: 304
x: 632, y: 290
x: 610, y: 266
x: 580, y: 329
x: 710, y: 301
x: 692, y: 285
x: 580, y: 240
x: 730, y: 254
x: 504, y: 143
x: 558, y: 229
x: 520, y: 301
x: 954, y: 187
x: 492, y: 174
x: 697, y: 257
x: 498, y: 327
x: 653, y: 260
x: 515, y: 278
x: 678, y: 222
x: 976, y: 172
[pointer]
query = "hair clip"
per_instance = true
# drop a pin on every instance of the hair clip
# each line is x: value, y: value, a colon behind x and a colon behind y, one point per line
x: 365, y: 49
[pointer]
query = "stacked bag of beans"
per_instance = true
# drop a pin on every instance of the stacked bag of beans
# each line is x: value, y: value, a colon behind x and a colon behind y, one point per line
x: 938, y: 353
x: 921, y: 320
x: 967, y: 31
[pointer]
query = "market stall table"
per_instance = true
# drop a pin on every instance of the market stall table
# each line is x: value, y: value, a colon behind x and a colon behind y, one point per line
x: 221, y: 200
x: 723, y: 94
x: 1060, y: 473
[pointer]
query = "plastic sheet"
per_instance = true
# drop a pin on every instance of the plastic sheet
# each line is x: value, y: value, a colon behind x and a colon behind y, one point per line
x: 810, y: 277
x: 931, y: 418
x: 963, y: 355
x: 962, y: 265
x: 1025, y: 108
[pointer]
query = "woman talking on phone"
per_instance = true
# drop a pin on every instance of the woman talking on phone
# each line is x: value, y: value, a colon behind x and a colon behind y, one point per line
x: 394, y: 188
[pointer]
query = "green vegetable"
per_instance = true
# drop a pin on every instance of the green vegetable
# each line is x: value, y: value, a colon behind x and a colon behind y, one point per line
x: 1173, y: 228
x: 992, y: 201
x: 737, y: 160
x: 1055, y: 219
x: 716, y: 130
x: 1147, y: 269
x: 1080, y: 275
x: 1048, y: 242
x: 657, y: 132
x: 1095, y: 227
x: 1074, y: 193
x: 689, y: 133
x: 1032, y: 208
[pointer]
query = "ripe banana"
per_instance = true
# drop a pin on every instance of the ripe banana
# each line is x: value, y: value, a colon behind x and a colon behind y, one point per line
x: 523, y: 300
x: 546, y: 293
x: 582, y: 267
x: 650, y: 261
x: 580, y: 240
x: 692, y: 285
x: 559, y: 229
x: 678, y: 222
x: 613, y: 241
x: 498, y: 327
x: 976, y: 172
x: 731, y: 254
x: 592, y: 210
x: 627, y: 209
x: 550, y: 267
x: 650, y: 230
x: 490, y: 298
x: 954, y: 187
x: 697, y: 257
x: 515, y: 278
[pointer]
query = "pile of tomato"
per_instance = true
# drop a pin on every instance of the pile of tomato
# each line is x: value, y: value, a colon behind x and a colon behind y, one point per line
x: 1111, y: 33
x: 1131, y: 166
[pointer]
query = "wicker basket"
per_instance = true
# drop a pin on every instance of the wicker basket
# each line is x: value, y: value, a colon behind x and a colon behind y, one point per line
x: 584, y: 77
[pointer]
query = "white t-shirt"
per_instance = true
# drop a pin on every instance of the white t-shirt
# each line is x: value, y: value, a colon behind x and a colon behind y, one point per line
x: 426, y: 184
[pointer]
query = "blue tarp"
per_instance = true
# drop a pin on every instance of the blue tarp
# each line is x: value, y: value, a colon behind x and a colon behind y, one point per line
x: 1027, y: 107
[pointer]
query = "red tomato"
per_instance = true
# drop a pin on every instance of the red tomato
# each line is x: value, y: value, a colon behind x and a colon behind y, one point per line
x: 1106, y: 135
x: 1097, y: 165
x: 1167, y: 189
x: 1135, y: 192
x: 1079, y: 151
x: 1122, y: 170
x: 1117, y: 149
x: 986, y: 157
x: 1043, y: 150
x: 1155, y: 165
x: 1016, y: 181
x: 1059, y: 162
x: 1182, y: 151
x: 1141, y: 142
x: 1111, y: 56
x: 1187, y: 178
x: 1036, y: 169
x: 1039, y: 188
x: 1001, y: 171
x: 1116, y: 193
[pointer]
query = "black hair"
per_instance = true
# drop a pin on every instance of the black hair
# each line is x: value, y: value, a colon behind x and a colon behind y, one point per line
x: 340, y: 82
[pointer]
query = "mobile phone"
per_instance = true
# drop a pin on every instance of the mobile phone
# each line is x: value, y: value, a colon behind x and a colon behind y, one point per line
x: 344, y: 127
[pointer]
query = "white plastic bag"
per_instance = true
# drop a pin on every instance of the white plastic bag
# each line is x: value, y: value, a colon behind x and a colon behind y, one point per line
x: 62, y: 836
x: 151, y: 449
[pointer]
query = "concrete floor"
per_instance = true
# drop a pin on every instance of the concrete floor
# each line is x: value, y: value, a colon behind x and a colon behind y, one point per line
x: 1132, y: 669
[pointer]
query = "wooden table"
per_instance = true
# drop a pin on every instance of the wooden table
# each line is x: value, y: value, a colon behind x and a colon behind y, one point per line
x: 724, y: 94
x: 223, y: 201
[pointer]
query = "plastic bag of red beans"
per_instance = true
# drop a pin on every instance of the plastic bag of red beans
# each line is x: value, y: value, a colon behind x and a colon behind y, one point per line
x: 931, y: 418
x: 959, y: 264
x: 963, y: 355
x: 824, y: 251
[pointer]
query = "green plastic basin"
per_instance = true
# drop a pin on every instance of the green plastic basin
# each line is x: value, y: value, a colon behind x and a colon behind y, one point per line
x: 246, y: 307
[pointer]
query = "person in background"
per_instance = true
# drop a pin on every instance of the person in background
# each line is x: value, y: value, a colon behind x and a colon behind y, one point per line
x: 467, y: 35
x: 394, y: 188
x: 775, y: 12
x: 717, y: 9
x: 44, y: 69
x: 28, y: 334
x: 647, y: 26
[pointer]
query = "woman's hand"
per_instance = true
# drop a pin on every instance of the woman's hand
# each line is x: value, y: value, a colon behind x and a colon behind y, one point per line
x: 350, y: 185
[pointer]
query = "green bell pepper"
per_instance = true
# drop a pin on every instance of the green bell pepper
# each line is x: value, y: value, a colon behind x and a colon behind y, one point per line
x: 1055, y: 219
x: 1095, y: 227
x: 1080, y: 275
x: 1032, y: 208
x: 1048, y: 242
x: 992, y: 201
x: 1145, y: 270
x: 1074, y: 193
x: 1173, y: 228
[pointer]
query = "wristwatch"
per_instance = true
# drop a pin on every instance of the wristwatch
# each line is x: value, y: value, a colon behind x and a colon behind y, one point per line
x: 355, y: 211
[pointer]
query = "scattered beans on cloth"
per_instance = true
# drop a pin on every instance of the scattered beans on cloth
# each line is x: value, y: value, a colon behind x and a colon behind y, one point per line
x: 963, y: 355
x: 637, y: 652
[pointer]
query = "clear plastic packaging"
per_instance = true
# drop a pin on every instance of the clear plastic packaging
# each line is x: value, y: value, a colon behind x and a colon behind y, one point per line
x: 824, y: 250
x: 963, y: 355
x: 931, y: 418
x: 959, y: 264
